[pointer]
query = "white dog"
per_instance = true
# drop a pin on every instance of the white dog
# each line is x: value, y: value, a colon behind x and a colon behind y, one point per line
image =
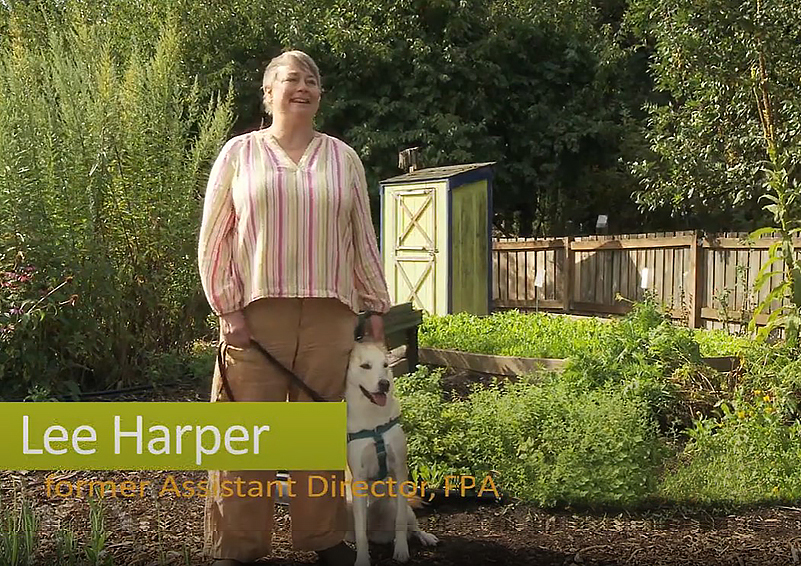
x: 377, y: 452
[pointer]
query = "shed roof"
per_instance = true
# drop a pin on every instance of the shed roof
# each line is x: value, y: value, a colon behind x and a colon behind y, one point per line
x: 437, y: 173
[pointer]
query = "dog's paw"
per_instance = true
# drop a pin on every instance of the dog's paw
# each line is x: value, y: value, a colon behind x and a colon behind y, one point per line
x: 427, y: 539
x: 401, y: 553
x: 362, y: 560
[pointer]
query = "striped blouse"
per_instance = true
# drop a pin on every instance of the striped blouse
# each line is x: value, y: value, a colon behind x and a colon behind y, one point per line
x: 274, y: 228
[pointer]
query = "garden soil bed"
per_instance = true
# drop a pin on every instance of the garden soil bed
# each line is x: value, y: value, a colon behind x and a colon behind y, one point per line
x: 142, y: 529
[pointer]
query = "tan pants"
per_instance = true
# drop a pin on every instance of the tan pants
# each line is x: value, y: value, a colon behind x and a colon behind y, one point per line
x: 313, y: 338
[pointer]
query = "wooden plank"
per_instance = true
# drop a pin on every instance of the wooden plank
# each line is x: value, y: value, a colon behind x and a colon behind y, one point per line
x: 494, y: 268
x: 737, y: 244
x: 503, y: 278
x: 639, y: 243
x: 522, y: 245
x: 709, y: 279
x: 608, y: 294
x: 589, y: 277
x: 723, y: 363
x: 719, y: 267
x: 600, y: 283
x: 549, y: 267
x: 521, y: 281
x: 485, y: 363
x: 659, y: 274
x: 680, y: 274
x: 730, y: 278
x: 625, y: 269
x: 531, y: 271
x: 568, y: 269
x: 620, y: 308
x: 617, y: 257
x: 708, y: 313
x: 671, y: 266
x: 754, y: 264
x: 644, y: 258
x: 512, y: 274
x: 649, y: 264
x: 741, y: 276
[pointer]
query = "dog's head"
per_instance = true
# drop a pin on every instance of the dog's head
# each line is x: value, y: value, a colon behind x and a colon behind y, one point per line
x: 369, y: 374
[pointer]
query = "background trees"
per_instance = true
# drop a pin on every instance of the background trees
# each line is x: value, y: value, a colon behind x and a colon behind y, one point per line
x: 644, y: 110
x: 707, y: 146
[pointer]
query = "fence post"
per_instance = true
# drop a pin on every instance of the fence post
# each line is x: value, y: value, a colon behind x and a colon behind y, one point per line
x: 695, y: 282
x: 567, y: 275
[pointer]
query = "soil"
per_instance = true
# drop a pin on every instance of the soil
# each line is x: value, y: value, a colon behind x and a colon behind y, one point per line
x: 153, y: 530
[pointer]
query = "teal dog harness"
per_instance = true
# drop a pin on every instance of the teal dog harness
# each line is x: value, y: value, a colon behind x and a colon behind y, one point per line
x: 377, y: 434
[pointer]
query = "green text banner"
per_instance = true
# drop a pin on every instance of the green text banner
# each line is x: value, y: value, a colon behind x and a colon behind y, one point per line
x: 173, y: 436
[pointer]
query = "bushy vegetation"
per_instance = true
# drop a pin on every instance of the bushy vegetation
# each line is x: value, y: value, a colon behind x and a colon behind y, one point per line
x: 635, y: 418
x: 513, y: 333
x: 548, y: 442
x: 543, y: 335
x: 102, y: 163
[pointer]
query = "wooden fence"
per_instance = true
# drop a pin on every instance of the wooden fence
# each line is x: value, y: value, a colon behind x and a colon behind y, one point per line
x: 706, y: 281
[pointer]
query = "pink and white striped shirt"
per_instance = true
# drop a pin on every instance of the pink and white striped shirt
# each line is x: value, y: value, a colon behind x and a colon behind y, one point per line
x: 274, y: 228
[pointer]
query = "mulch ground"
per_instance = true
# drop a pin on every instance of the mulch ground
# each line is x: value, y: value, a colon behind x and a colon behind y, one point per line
x: 155, y: 530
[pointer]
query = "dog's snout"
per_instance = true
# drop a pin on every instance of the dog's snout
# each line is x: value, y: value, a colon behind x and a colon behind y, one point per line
x: 383, y: 385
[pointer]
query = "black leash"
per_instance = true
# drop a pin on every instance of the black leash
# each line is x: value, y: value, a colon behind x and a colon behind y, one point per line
x: 292, y: 377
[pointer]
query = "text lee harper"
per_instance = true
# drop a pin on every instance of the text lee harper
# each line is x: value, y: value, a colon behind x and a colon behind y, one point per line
x: 236, y: 439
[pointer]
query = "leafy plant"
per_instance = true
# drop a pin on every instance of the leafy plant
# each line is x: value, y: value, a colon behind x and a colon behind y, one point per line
x: 18, y: 534
x: 547, y: 442
x: 105, y: 142
x: 66, y: 548
x: 95, y: 549
x: 746, y: 457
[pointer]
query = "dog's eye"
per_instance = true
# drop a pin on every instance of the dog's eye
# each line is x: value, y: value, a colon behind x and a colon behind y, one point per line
x: 386, y: 365
x: 365, y: 365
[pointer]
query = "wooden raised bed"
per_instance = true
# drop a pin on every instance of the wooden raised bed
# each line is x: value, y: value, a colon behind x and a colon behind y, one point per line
x: 513, y: 366
x: 486, y: 363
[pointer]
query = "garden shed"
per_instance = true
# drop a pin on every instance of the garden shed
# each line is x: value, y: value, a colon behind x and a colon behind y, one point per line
x: 435, y: 238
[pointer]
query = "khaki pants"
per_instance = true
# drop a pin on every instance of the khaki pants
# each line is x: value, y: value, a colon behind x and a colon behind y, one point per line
x: 313, y: 338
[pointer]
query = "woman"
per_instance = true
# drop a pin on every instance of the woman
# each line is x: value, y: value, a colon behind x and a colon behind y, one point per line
x: 287, y: 256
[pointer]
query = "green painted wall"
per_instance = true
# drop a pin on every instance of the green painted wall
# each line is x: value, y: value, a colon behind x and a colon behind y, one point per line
x: 469, y: 248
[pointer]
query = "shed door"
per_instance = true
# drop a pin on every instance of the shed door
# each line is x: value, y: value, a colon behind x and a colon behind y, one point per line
x: 415, y: 248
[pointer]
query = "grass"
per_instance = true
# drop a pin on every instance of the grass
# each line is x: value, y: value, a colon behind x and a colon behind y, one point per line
x: 18, y: 533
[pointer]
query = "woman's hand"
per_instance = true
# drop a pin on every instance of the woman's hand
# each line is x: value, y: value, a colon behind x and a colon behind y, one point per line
x: 374, y: 327
x: 234, y: 329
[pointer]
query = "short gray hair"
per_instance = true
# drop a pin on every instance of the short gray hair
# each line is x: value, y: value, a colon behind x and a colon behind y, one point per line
x: 284, y: 58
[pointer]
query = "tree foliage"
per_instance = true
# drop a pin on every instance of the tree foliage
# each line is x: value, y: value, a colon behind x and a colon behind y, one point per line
x: 539, y: 88
x: 708, y: 149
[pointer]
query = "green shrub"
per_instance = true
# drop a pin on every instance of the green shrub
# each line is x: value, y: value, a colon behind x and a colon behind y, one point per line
x: 102, y: 163
x: 748, y: 456
x: 721, y: 343
x: 544, y: 442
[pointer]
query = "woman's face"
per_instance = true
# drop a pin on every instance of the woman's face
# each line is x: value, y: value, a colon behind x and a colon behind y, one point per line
x: 295, y: 92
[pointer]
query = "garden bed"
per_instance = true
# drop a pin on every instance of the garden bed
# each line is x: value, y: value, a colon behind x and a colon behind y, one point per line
x: 517, y: 366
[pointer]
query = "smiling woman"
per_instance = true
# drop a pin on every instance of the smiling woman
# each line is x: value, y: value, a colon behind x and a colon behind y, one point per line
x: 288, y: 257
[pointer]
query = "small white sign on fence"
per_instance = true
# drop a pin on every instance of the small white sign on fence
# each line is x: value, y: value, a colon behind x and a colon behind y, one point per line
x: 539, y: 281
x: 644, y: 274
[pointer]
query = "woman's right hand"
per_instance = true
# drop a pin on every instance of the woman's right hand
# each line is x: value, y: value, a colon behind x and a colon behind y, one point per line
x: 234, y: 329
